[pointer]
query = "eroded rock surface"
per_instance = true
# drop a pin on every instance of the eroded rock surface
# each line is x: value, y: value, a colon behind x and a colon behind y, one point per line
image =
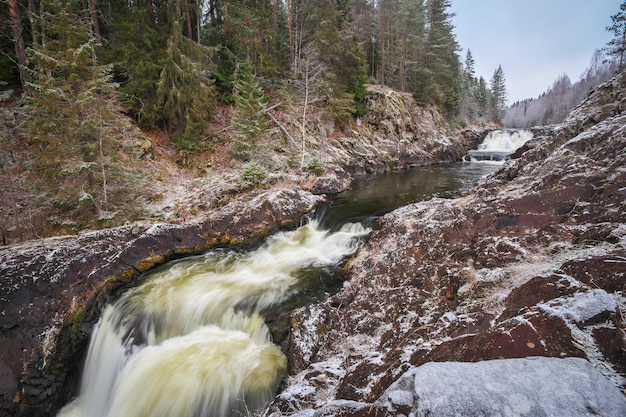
x: 52, y: 290
x: 531, y: 263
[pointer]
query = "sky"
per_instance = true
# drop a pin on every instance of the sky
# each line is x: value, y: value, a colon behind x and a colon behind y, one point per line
x: 535, y: 41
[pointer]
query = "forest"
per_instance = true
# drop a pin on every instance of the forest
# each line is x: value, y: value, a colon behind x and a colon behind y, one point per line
x: 172, y: 61
x: 553, y: 106
x: 76, y: 75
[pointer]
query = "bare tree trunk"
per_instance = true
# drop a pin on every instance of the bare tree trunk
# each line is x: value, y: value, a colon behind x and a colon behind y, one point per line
x: 198, y: 20
x: 306, y: 103
x: 93, y: 8
x: 104, y: 175
x: 18, y: 42
x: 150, y: 10
x: 275, y: 16
x: 188, y: 17
x: 382, y: 46
x: 290, y: 34
x: 34, y: 29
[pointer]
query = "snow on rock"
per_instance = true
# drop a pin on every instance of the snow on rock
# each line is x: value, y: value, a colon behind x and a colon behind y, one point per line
x: 582, y: 307
x: 529, y: 263
x: 533, y: 386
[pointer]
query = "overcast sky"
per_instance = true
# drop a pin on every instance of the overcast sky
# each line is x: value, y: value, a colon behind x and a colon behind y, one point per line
x: 535, y: 41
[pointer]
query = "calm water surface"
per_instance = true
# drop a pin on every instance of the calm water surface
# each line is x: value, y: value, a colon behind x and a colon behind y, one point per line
x: 375, y: 196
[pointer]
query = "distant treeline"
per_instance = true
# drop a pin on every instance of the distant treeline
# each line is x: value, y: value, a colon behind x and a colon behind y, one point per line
x: 557, y: 102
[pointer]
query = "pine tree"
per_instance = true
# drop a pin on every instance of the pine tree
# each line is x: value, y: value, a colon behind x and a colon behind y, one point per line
x: 617, y: 46
x: 18, y: 41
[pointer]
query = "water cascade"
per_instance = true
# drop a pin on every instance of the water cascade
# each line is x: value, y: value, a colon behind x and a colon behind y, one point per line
x: 192, y: 341
x: 498, y: 145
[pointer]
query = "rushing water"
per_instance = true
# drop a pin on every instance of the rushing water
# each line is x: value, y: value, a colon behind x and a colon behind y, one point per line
x: 191, y: 339
x: 498, y: 145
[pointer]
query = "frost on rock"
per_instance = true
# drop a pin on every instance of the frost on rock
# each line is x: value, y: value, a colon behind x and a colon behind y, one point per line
x: 534, y: 386
x: 582, y: 307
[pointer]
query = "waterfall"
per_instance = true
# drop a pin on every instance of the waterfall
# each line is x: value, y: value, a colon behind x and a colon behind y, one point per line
x: 498, y: 145
x: 191, y: 339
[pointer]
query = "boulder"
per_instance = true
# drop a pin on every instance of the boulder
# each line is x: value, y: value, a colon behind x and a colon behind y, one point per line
x: 532, y: 386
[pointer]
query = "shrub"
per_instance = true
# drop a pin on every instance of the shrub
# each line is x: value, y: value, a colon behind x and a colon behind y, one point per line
x: 252, y: 174
x: 315, y: 166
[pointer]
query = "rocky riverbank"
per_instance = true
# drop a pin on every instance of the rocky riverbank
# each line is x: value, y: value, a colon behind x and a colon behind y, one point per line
x: 531, y: 263
x: 53, y: 290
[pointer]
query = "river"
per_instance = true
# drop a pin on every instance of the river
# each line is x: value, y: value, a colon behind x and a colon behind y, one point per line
x: 191, y: 340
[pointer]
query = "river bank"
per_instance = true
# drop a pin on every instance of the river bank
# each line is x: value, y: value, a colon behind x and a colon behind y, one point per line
x: 530, y: 263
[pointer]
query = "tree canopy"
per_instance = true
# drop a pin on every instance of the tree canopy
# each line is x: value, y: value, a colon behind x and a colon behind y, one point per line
x: 172, y: 61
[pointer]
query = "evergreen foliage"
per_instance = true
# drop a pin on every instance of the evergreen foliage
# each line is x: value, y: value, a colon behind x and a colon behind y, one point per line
x: 328, y: 36
x: 137, y: 38
x: 617, y: 46
x: 439, y: 82
x: 248, y: 120
x: 252, y: 175
x: 498, y: 94
x: 72, y: 103
x: 166, y: 63
x: 186, y: 96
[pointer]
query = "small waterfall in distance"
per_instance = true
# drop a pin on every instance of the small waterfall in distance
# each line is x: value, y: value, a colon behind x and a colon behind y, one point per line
x: 191, y: 339
x: 498, y: 145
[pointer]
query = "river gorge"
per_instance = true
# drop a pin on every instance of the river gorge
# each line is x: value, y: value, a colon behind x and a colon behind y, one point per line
x: 504, y: 299
x: 193, y: 335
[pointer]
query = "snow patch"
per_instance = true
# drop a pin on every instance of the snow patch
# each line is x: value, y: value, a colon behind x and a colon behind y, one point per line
x: 582, y: 306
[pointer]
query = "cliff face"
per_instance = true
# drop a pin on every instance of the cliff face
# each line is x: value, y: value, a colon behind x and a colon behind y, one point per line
x: 531, y: 263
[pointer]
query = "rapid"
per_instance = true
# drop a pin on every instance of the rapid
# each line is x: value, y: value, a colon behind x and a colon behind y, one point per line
x: 192, y: 339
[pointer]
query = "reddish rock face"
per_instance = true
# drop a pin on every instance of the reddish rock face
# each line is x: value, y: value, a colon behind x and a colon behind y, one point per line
x: 530, y: 263
x: 53, y: 290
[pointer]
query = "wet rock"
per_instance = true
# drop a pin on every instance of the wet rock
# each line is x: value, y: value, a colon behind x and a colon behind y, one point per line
x: 54, y: 289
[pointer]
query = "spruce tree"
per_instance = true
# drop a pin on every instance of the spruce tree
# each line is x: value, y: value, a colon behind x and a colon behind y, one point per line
x: 438, y: 80
x: 469, y: 70
x: 136, y: 45
x: 72, y: 98
x: 498, y: 94
x: 327, y: 30
x: 185, y: 93
x: 248, y: 120
x: 617, y: 46
x: 482, y: 97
